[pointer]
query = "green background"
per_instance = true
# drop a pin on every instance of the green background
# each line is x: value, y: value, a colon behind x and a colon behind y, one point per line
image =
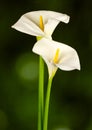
x: 71, y: 95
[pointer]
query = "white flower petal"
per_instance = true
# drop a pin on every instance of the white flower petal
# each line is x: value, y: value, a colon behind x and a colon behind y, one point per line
x: 34, y: 16
x: 41, y: 48
x: 51, y: 19
x: 25, y: 25
x: 29, y: 22
x: 68, y: 57
x: 51, y: 67
x: 44, y: 48
x: 50, y: 26
x: 69, y: 61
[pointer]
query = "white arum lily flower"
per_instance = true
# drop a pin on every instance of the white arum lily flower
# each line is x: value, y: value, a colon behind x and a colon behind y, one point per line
x: 57, y: 55
x: 40, y: 23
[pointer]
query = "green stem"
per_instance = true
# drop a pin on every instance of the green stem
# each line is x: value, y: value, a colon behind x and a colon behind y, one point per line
x: 40, y: 91
x: 45, y: 123
x: 41, y: 94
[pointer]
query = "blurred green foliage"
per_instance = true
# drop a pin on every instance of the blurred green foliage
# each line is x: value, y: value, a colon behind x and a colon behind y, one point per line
x: 71, y: 96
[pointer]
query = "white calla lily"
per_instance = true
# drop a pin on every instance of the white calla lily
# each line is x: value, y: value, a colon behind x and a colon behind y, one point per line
x: 40, y: 23
x: 57, y: 55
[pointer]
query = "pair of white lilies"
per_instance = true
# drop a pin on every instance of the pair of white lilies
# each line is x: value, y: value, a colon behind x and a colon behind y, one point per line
x: 56, y: 55
x: 42, y: 24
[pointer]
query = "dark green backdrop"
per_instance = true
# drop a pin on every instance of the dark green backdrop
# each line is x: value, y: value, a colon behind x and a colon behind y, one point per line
x: 71, y: 96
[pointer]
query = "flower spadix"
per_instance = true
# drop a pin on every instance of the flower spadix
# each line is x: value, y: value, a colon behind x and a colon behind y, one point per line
x: 40, y: 23
x: 57, y: 55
